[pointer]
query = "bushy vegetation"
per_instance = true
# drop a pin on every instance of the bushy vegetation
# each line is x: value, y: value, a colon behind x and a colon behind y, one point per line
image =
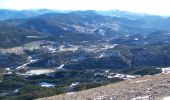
x: 141, y: 71
x: 14, y: 36
x: 14, y: 87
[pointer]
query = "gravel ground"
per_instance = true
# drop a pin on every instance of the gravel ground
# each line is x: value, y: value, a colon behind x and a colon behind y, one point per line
x: 145, y: 88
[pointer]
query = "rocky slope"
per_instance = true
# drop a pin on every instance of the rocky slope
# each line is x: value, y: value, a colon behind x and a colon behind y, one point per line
x: 147, y: 88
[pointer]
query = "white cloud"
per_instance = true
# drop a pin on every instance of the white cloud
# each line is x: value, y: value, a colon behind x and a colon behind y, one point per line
x: 144, y: 6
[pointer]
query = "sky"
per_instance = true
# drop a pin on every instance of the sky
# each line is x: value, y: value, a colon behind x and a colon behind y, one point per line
x: 156, y: 7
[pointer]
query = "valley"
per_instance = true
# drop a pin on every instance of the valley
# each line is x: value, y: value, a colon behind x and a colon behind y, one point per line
x: 55, y: 53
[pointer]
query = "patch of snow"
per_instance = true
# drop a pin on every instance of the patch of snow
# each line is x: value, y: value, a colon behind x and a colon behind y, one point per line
x: 139, y: 81
x: 62, y: 48
x: 74, y: 84
x: 45, y: 84
x: 61, y: 66
x: 141, y: 98
x: 9, y: 72
x: 17, y: 90
x: 166, y: 98
x: 110, y: 46
x: 100, y: 56
x: 102, y: 32
x: 84, y: 42
x: 65, y: 28
x: 110, y: 76
x: 4, y: 94
x: 39, y: 71
x: 24, y: 65
x: 111, y: 98
x: 51, y: 75
x: 116, y: 27
x: 145, y: 42
x: 70, y: 93
x: 111, y: 73
x: 136, y: 39
x: 79, y: 28
x: 127, y: 77
x: 53, y: 50
x: 166, y: 70
x: 99, y: 48
x: 98, y: 73
x: 120, y: 75
x: 29, y: 58
x: 61, y: 36
x: 101, y: 97
x: 106, y: 71
x: 7, y: 69
x: 33, y: 37
x: 130, y: 76
x: 127, y: 35
x: 90, y: 49
x: 17, y: 50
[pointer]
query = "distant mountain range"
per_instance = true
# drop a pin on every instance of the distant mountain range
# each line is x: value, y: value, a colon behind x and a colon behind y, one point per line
x: 83, y: 27
x: 55, y: 23
x: 18, y: 14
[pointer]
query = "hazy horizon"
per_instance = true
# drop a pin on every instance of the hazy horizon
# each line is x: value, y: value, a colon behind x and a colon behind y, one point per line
x: 153, y: 7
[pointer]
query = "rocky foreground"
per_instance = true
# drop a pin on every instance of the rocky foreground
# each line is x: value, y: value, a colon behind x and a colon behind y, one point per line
x: 146, y: 88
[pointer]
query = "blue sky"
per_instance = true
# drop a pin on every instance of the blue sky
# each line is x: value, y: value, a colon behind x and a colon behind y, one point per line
x: 158, y: 7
